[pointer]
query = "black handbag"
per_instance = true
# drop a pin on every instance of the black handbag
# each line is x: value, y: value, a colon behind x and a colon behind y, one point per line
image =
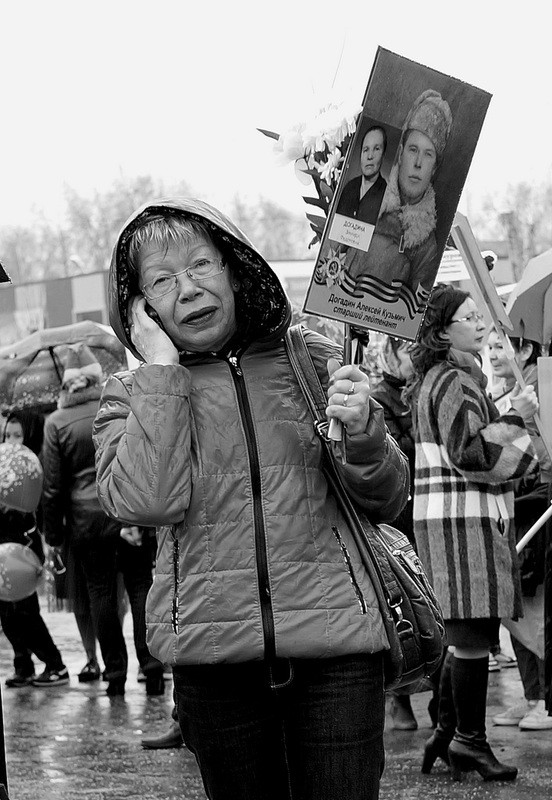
x: 409, y: 608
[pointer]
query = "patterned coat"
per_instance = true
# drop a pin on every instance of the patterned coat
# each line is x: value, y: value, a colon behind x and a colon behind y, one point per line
x: 466, y: 459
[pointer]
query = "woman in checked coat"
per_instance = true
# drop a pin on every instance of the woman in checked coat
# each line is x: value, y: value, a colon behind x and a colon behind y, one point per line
x: 467, y: 456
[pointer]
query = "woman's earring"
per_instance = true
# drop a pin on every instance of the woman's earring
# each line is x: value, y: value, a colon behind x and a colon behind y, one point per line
x: 235, y: 286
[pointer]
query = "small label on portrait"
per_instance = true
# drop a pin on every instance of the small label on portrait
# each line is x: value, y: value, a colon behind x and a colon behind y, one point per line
x: 351, y: 232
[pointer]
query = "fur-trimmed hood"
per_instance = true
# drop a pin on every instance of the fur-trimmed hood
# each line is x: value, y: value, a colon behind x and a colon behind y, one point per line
x: 418, y: 221
x: 262, y: 307
x: 69, y: 399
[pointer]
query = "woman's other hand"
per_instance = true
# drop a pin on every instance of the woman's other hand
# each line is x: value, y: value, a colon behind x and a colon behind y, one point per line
x: 524, y: 401
x: 148, y: 337
x: 348, y: 396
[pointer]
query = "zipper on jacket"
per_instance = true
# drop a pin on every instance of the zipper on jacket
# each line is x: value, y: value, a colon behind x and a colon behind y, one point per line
x: 258, y: 519
x: 176, y: 555
x: 349, y: 565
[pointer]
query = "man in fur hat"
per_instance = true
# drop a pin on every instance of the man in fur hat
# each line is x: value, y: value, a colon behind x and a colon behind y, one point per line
x: 403, y: 248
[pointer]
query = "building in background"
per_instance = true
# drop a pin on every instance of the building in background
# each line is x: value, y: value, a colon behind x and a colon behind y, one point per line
x: 27, y: 307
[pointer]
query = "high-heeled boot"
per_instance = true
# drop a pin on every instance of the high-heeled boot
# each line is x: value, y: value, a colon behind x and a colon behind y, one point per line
x: 469, y: 749
x: 437, y: 745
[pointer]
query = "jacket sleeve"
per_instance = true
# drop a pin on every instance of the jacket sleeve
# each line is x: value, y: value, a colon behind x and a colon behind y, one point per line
x: 402, y: 435
x: 482, y: 451
x: 54, y: 488
x: 142, y: 436
x: 376, y: 474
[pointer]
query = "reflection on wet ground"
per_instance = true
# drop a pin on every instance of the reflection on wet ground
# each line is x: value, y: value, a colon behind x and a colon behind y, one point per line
x: 74, y: 742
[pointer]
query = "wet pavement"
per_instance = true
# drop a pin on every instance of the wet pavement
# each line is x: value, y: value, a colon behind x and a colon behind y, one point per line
x: 73, y: 742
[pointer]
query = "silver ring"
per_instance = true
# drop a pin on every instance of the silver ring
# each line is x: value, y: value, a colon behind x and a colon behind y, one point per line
x: 345, y: 398
x: 352, y: 389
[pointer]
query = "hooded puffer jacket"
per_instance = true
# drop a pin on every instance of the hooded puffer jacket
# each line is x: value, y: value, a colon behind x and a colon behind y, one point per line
x: 219, y: 453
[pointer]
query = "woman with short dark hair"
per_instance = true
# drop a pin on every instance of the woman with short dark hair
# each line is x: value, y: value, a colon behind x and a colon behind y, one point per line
x: 467, y: 457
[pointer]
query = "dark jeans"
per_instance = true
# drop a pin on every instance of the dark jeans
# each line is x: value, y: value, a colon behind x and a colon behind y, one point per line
x: 101, y: 560
x: 27, y: 633
x: 306, y: 730
x: 531, y: 670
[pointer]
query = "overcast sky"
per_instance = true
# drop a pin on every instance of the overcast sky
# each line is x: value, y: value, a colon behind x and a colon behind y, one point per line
x: 176, y: 89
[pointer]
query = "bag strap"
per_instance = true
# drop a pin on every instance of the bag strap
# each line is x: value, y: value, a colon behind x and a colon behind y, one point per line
x: 309, y: 381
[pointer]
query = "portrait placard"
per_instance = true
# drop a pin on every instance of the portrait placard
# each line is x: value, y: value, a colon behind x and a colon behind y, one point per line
x: 398, y: 192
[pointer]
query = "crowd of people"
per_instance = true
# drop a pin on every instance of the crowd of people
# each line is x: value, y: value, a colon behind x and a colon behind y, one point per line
x: 261, y: 604
x: 96, y: 555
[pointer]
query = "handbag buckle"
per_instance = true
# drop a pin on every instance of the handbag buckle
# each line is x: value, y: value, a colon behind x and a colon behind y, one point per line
x: 403, y: 626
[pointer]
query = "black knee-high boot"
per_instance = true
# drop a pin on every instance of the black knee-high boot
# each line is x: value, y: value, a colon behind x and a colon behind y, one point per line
x: 437, y: 745
x: 469, y: 749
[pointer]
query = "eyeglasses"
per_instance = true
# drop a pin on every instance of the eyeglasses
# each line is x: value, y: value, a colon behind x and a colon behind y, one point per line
x: 164, y: 284
x: 475, y: 316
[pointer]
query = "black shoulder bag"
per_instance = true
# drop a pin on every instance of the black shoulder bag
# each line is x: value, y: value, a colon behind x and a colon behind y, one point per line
x: 409, y: 608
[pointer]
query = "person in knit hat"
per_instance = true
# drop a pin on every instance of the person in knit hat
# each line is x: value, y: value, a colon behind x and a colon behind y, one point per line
x: 403, y: 249
x: 82, y: 371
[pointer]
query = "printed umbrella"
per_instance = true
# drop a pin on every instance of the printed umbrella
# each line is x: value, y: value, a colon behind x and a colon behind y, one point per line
x: 530, y: 304
x: 20, y: 488
x: 31, y: 369
x: 20, y: 477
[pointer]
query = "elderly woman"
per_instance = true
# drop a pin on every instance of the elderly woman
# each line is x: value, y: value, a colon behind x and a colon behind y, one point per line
x: 260, y: 602
x: 467, y: 457
x: 531, y: 500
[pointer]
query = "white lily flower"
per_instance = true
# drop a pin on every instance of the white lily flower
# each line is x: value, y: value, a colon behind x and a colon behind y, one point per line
x: 332, y: 164
x: 315, y: 144
x: 292, y: 145
x: 289, y: 146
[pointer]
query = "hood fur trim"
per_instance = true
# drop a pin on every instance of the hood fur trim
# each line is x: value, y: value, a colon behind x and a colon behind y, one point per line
x: 68, y: 399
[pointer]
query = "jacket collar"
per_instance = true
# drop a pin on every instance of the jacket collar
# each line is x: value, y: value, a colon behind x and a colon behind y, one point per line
x: 69, y: 399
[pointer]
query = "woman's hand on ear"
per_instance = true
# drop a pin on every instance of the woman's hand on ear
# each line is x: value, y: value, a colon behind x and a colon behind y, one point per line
x: 148, y: 337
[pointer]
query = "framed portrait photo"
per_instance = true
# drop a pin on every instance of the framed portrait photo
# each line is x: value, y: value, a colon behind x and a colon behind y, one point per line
x: 396, y: 198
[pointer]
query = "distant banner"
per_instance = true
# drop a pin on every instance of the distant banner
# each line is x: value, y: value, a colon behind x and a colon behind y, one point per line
x: 397, y: 195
